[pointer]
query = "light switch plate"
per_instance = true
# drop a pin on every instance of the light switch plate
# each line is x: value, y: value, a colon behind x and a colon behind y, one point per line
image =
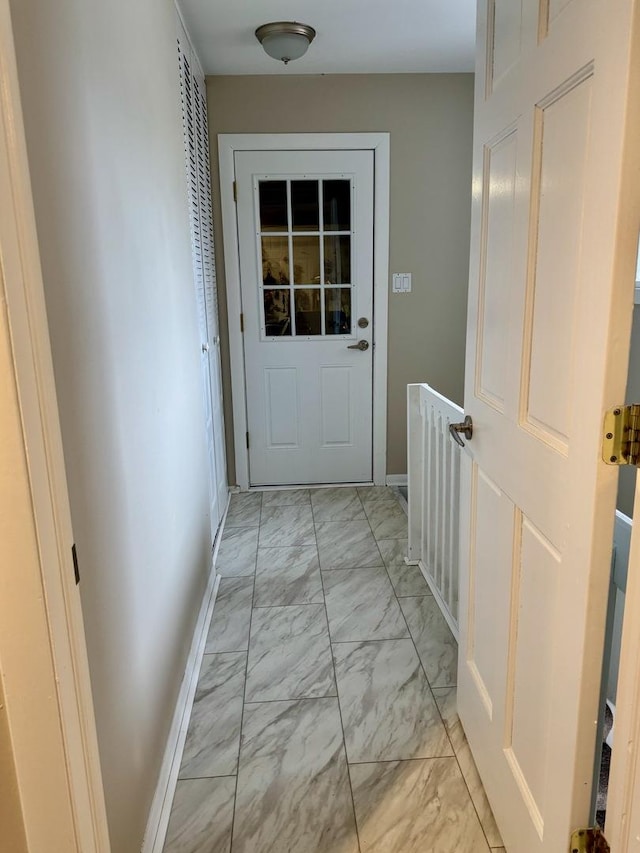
x: 401, y: 282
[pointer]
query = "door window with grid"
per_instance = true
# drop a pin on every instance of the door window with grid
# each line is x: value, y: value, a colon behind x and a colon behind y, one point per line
x: 305, y: 254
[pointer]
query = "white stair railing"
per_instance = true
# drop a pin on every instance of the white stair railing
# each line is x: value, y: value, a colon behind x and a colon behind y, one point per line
x: 434, y: 495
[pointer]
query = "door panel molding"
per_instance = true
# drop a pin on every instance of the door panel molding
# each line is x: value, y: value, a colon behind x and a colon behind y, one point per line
x: 379, y: 143
x: 554, y: 233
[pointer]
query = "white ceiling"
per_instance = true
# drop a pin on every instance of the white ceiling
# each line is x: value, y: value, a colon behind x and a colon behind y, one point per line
x: 353, y: 36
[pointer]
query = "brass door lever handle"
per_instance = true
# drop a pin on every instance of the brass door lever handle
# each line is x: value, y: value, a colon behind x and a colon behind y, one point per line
x: 363, y: 346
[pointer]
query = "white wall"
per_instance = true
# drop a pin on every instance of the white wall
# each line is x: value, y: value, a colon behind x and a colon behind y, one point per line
x: 101, y: 100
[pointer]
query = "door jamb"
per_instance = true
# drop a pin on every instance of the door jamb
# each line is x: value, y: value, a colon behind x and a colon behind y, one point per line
x: 62, y: 661
x: 379, y: 143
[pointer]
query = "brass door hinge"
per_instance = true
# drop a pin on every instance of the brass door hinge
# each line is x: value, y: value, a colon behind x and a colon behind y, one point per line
x: 235, y: 191
x: 589, y: 841
x: 621, y: 440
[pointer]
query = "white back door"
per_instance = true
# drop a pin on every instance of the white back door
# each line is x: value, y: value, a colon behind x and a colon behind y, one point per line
x: 305, y: 228
x: 554, y: 232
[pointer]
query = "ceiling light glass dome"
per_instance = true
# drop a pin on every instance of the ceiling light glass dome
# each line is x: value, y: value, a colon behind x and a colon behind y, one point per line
x: 285, y: 40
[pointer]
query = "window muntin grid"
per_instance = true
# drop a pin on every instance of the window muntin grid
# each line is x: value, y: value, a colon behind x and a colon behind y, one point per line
x: 305, y: 244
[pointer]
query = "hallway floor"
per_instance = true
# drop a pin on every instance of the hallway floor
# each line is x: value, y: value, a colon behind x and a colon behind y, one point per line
x: 324, y: 719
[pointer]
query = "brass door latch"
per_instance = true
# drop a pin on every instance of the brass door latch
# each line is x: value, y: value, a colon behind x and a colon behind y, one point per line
x: 589, y: 841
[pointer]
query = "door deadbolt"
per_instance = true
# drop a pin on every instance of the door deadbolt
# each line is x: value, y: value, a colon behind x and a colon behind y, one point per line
x: 363, y: 322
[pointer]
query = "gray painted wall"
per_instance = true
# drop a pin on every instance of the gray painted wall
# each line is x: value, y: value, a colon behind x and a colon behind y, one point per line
x: 627, y: 481
x: 430, y: 118
x: 101, y: 98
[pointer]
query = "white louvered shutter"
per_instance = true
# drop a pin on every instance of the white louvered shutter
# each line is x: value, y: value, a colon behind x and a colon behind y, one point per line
x: 194, y: 114
x: 209, y: 279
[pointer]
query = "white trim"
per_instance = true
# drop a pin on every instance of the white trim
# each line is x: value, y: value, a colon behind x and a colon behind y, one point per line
x: 67, y: 654
x: 379, y: 143
x: 160, y: 812
x: 311, y: 486
x: 184, y: 31
x: 397, y: 480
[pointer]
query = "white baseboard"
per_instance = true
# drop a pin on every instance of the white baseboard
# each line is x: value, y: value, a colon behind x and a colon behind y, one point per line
x: 158, y: 822
x: 310, y: 486
x: 397, y: 480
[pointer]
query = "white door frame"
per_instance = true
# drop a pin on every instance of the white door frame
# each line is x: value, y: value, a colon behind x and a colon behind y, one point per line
x: 379, y: 143
x: 43, y: 655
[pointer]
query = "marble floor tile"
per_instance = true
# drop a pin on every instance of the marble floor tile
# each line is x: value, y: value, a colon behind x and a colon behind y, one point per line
x: 237, y: 553
x: 288, y: 576
x: 446, y: 701
x: 229, y: 629
x: 283, y: 526
x: 408, y: 581
x: 388, y: 520
x: 434, y: 641
x: 388, y: 712
x: 415, y: 806
x: 202, y: 816
x: 394, y: 551
x: 286, y: 497
x: 370, y: 494
x: 339, y: 504
x: 293, y: 788
x: 361, y: 605
x: 289, y: 654
x: 244, y: 510
x: 213, y: 737
x: 346, y: 545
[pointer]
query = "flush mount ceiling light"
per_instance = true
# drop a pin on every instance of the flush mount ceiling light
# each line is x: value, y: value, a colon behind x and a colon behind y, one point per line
x: 285, y: 40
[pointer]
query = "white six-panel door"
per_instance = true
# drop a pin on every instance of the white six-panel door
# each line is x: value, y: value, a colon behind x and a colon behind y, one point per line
x: 554, y: 229
x: 305, y: 229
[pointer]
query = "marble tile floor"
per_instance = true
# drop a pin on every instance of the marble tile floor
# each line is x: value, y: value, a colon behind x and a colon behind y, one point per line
x: 324, y: 720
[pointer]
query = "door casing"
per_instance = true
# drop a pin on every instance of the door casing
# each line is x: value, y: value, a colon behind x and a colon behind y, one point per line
x: 379, y: 143
x: 48, y: 704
